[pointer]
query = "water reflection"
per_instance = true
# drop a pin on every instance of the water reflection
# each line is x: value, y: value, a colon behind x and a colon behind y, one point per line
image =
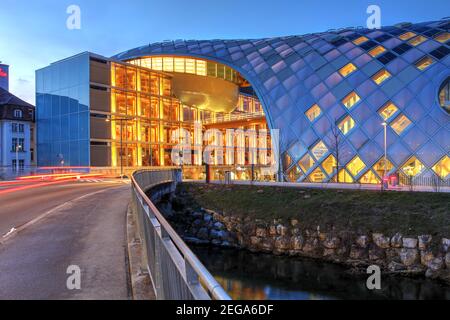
x: 246, y: 275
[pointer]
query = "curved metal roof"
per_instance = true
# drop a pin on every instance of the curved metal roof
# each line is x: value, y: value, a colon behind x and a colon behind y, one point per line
x: 292, y: 73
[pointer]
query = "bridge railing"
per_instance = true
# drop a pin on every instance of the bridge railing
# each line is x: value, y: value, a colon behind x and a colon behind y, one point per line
x: 175, y: 271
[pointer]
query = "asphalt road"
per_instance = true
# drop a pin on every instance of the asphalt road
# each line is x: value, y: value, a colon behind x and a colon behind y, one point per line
x: 88, y: 229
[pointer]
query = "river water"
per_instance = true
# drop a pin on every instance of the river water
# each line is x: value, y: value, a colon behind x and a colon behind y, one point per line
x: 246, y: 275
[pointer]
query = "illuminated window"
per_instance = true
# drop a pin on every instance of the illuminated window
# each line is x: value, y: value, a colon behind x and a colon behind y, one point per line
x: 413, y: 167
x: 157, y: 63
x: 400, y: 123
x: 179, y: 65
x: 444, y: 95
x: 377, y: 51
x: 294, y: 174
x: 369, y: 177
x: 379, y: 167
x: 344, y: 176
x: 211, y: 69
x: 168, y: 64
x: 346, y: 125
x: 201, y: 68
x: 442, y: 168
x: 190, y: 66
x: 306, y: 162
x: 356, y: 166
x: 350, y: 100
x: 381, y: 76
x: 443, y: 37
x: 360, y: 40
x: 407, y: 35
x: 417, y: 40
x: 329, y: 165
x: 317, y: 176
x: 424, y: 63
x: 287, y: 160
x: 347, y: 69
x: 313, y: 112
x: 319, y: 150
x: 388, y: 110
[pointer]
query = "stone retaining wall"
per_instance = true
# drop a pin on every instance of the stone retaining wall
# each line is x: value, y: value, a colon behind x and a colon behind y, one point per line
x: 397, y: 253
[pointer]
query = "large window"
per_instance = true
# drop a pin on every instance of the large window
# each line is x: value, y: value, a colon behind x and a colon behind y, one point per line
x: 444, y: 95
x: 381, y: 76
x: 375, y: 52
x: 350, y: 100
x: 313, y: 112
x: 388, y: 110
x: 188, y: 65
x: 413, y: 167
x: 400, y: 124
x: 347, y: 69
x: 424, y: 63
x: 346, y: 125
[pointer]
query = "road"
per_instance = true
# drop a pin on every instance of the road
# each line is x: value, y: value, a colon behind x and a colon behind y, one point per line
x: 82, y: 224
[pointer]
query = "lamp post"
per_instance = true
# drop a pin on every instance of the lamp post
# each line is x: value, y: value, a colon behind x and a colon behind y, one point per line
x: 384, y: 124
x: 18, y: 147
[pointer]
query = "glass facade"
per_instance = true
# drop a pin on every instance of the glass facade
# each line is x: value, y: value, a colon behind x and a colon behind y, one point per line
x: 62, y: 113
x: 351, y: 79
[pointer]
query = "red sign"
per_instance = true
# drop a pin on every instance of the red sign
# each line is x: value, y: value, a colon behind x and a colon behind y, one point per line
x: 3, y: 74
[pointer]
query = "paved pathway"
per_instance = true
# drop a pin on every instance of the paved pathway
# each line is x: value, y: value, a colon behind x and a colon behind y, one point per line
x: 88, y: 232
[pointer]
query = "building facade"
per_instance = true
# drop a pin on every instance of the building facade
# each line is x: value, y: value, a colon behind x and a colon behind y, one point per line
x: 4, y: 76
x: 17, y: 136
x: 111, y: 114
x: 351, y: 105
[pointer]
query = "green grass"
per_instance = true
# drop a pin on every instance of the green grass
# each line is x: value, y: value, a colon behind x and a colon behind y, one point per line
x: 411, y: 213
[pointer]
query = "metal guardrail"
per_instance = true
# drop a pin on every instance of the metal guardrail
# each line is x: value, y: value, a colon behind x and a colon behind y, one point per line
x: 175, y: 271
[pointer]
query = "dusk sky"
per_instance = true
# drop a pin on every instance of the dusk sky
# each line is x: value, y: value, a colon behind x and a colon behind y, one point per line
x: 34, y: 33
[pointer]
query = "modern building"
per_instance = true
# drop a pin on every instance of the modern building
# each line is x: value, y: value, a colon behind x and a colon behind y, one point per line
x: 351, y: 105
x: 4, y: 76
x: 17, y: 141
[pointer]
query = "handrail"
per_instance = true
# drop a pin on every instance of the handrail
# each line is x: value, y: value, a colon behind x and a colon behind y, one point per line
x: 191, y: 279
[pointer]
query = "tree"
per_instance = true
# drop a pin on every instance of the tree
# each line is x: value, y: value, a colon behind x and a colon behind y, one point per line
x: 336, y: 143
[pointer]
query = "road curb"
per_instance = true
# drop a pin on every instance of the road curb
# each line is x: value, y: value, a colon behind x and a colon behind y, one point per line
x: 141, y: 285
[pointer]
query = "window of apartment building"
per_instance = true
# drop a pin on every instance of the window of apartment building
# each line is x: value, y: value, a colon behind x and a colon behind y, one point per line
x: 21, y: 127
x: 21, y: 165
x: 14, y: 127
x: 381, y: 76
x: 18, y: 113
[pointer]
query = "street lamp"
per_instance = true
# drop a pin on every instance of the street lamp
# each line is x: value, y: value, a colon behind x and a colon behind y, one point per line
x: 384, y: 124
x: 18, y: 147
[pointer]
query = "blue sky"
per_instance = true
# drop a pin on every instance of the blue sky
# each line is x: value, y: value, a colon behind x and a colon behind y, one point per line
x: 33, y: 33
